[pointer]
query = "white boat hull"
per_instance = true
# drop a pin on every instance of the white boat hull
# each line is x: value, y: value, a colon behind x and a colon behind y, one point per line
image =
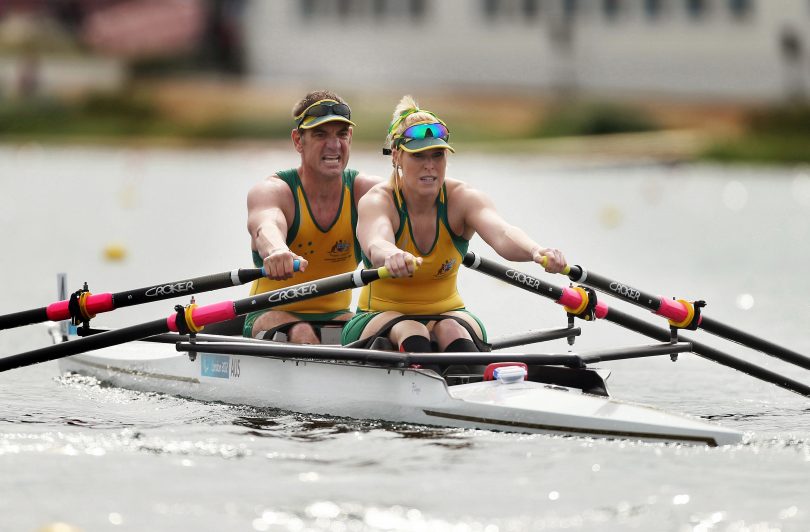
x: 399, y: 395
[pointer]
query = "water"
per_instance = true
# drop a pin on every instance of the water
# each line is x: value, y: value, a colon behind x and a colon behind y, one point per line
x: 98, y: 458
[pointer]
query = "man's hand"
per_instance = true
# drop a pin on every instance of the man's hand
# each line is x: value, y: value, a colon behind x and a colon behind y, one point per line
x: 278, y: 265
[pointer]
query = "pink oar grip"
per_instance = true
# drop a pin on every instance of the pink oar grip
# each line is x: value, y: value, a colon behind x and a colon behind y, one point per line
x: 58, y: 311
x: 570, y: 298
x: 97, y: 303
x: 206, y: 315
x: 673, y: 310
x: 601, y: 309
x: 573, y: 299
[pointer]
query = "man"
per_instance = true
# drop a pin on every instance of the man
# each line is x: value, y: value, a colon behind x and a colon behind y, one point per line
x: 308, y: 215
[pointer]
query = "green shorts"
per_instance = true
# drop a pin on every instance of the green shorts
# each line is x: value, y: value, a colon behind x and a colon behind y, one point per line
x: 355, y: 326
x: 250, y: 318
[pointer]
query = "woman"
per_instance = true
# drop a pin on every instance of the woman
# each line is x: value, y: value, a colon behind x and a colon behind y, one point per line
x: 418, y: 225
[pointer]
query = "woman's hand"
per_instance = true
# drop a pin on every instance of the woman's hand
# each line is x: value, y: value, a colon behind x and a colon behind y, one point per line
x: 402, y: 264
x: 549, y: 258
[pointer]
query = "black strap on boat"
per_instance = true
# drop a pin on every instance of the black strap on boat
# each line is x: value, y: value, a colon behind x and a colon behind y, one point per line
x: 182, y: 325
x: 385, y: 329
x: 77, y: 309
x: 695, y: 321
x: 589, y: 312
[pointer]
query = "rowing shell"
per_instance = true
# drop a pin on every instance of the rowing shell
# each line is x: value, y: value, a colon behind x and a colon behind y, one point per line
x: 364, y: 391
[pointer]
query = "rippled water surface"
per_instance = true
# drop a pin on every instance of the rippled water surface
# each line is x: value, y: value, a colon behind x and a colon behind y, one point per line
x: 97, y: 458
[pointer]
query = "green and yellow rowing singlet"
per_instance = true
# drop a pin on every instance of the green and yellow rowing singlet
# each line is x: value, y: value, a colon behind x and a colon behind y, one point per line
x: 432, y: 289
x: 330, y: 251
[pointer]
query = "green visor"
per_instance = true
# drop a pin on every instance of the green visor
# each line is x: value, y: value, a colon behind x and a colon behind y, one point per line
x: 324, y: 111
x: 314, y: 121
x: 427, y: 143
x: 424, y: 136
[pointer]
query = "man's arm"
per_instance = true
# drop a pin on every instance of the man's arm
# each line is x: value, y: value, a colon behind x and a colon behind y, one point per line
x: 270, y: 204
x: 363, y: 183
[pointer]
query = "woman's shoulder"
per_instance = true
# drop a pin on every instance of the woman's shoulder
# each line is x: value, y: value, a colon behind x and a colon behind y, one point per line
x: 456, y: 187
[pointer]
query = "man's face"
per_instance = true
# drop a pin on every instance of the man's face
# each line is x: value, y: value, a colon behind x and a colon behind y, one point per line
x: 324, y: 149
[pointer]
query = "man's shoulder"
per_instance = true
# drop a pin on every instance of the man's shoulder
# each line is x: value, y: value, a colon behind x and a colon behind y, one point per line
x: 379, y: 194
x: 270, y: 189
x: 363, y: 183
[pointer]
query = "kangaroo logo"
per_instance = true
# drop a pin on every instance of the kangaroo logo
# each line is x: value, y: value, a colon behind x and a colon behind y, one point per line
x: 341, y: 246
x: 340, y: 251
x: 446, y: 267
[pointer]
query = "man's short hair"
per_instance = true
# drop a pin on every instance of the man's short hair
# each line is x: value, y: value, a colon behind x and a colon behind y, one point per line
x: 313, y: 97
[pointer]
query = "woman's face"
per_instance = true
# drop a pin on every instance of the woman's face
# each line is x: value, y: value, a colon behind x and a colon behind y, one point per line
x: 422, y: 172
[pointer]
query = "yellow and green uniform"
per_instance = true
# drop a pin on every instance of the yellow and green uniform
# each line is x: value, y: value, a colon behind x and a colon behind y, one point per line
x: 330, y: 251
x: 432, y: 289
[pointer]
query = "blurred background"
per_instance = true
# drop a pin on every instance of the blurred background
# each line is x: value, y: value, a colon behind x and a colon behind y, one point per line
x: 672, y: 79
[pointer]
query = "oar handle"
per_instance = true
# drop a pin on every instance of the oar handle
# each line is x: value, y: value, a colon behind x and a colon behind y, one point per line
x: 296, y: 267
x: 544, y: 264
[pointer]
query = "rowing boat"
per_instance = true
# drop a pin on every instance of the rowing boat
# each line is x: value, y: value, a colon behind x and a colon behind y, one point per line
x: 312, y: 380
x: 559, y: 394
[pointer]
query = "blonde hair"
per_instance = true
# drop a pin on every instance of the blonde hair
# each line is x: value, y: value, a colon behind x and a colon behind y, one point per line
x: 406, y: 114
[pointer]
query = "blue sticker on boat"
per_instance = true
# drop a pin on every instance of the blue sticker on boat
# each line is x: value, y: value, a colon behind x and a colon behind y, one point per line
x: 215, y: 366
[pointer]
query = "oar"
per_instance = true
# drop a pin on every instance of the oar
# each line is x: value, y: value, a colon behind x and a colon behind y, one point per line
x: 537, y: 286
x: 94, y: 304
x: 195, y: 317
x: 682, y: 312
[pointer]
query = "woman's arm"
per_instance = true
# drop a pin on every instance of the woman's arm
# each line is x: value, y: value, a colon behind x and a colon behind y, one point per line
x: 510, y: 242
x: 375, y: 232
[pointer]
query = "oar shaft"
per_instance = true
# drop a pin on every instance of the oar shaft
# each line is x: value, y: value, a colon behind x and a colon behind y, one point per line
x: 105, y: 302
x: 623, y: 291
x: 196, y: 285
x: 90, y: 343
x: 566, y: 297
x: 754, y: 342
x: 659, y: 333
x: 25, y: 317
x: 677, y: 312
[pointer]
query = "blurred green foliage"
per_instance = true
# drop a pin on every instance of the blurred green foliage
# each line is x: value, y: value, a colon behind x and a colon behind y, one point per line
x: 95, y: 115
x: 775, y: 135
x: 595, y: 118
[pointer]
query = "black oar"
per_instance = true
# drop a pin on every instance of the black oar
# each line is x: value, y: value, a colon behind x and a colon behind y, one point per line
x: 682, y: 313
x: 537, y: 286
x: 88, y: 306
x: 194, y: 317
